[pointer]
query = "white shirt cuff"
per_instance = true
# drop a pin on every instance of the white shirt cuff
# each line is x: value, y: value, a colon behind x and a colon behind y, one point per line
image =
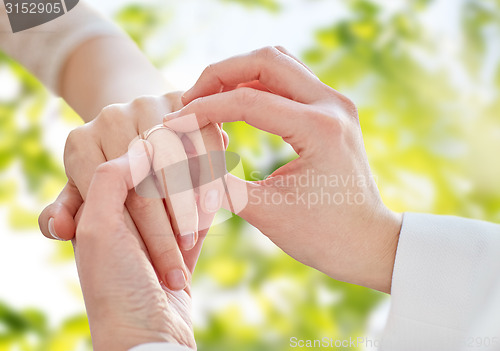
x: 440, y: 282
x: 160, y: 346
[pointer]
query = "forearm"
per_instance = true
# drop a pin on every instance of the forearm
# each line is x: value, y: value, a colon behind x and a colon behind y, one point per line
x: 84, y: 58
x: 107, y: 70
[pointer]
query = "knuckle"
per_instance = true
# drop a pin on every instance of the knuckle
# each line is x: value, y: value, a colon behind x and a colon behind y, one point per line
x: 347, y: 107
x: 282, y: 49
x: 326, y: 122
x: 268, y: 52
x: 110, y: 114
x: 75, y: 148
x: 210, y: 70
x: 110, y: 110
x: 350, y: 107
x: 107, y: 170
x: 143, y: 100
x: 174, y: 99
x: 76, y: 136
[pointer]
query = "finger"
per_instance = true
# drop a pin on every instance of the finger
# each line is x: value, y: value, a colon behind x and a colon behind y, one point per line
x: 112, y: 181
x: 208, y: 145
x: 191, y: 257
x: 175, y: 100
x: 156, y: 232
x: 277, y: 71
x: 286, y: 52
x: 265, y: 111
x: 154, y: 225
x: 198, y: 146
x: 254, y: 85
x: 250, y: 200
x: 171, y: 168
x: 82, y: 155
x: 57, y: 220
x: 148, y: 212
x: 81, y: 163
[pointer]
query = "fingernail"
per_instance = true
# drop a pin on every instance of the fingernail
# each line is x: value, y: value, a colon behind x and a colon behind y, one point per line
x: 52, y: 229
x: 188, y: 240
x: 175, y: 279
x: 170, y: 117
x: 187, y: 93
x: 212, y: 200
x: 185, y: 123
x: 184, y: 97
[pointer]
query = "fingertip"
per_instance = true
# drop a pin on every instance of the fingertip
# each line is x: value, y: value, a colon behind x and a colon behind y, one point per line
x: 52, y: 229
x: 212, y: 201
x: 170, y: 116
x: 43, y: 220
x: 188, y: 241
x: 183, y: 124
x: 185, y: 98
x: 62, y: 230
x: 176, y: 279
x: 56, y: 223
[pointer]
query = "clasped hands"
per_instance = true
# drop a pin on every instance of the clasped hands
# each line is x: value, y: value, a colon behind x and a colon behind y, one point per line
x: 135, y: 254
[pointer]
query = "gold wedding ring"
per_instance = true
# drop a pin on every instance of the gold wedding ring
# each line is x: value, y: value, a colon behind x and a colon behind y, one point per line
x: 150, y: 131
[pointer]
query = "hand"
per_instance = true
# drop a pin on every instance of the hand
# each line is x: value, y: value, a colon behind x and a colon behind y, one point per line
x: 107, y: 137
x: 323, y: 208
x: 126, y: 305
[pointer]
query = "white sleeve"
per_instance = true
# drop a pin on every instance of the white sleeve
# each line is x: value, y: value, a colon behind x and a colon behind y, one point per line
x: 161, y: 346
x: 443, y: 277
x: 44, y: 49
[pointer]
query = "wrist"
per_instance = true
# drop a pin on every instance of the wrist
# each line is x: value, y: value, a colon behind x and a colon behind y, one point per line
x: 368, y: 258
x: 110, y: 336
x: 384, y: 230
x: 116, y: 328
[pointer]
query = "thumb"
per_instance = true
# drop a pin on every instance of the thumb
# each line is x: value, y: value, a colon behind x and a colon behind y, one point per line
x: 57, y: 219
x: 249, y: 200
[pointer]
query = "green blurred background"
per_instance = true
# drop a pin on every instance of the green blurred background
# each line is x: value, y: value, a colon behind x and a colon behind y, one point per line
x: 425, y: 76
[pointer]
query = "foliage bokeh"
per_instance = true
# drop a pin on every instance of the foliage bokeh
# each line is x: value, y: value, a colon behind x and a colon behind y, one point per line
x: 431, y: 138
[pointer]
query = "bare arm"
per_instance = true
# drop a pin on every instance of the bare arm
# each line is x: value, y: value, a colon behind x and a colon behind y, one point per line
x: 84, y: 58
x: 107, y: 70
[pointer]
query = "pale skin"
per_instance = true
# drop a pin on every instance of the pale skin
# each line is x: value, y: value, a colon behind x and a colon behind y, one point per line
x: 120, y: 94
x: 126, y: 305
x: 354, y: 243
x: 271, y: 90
